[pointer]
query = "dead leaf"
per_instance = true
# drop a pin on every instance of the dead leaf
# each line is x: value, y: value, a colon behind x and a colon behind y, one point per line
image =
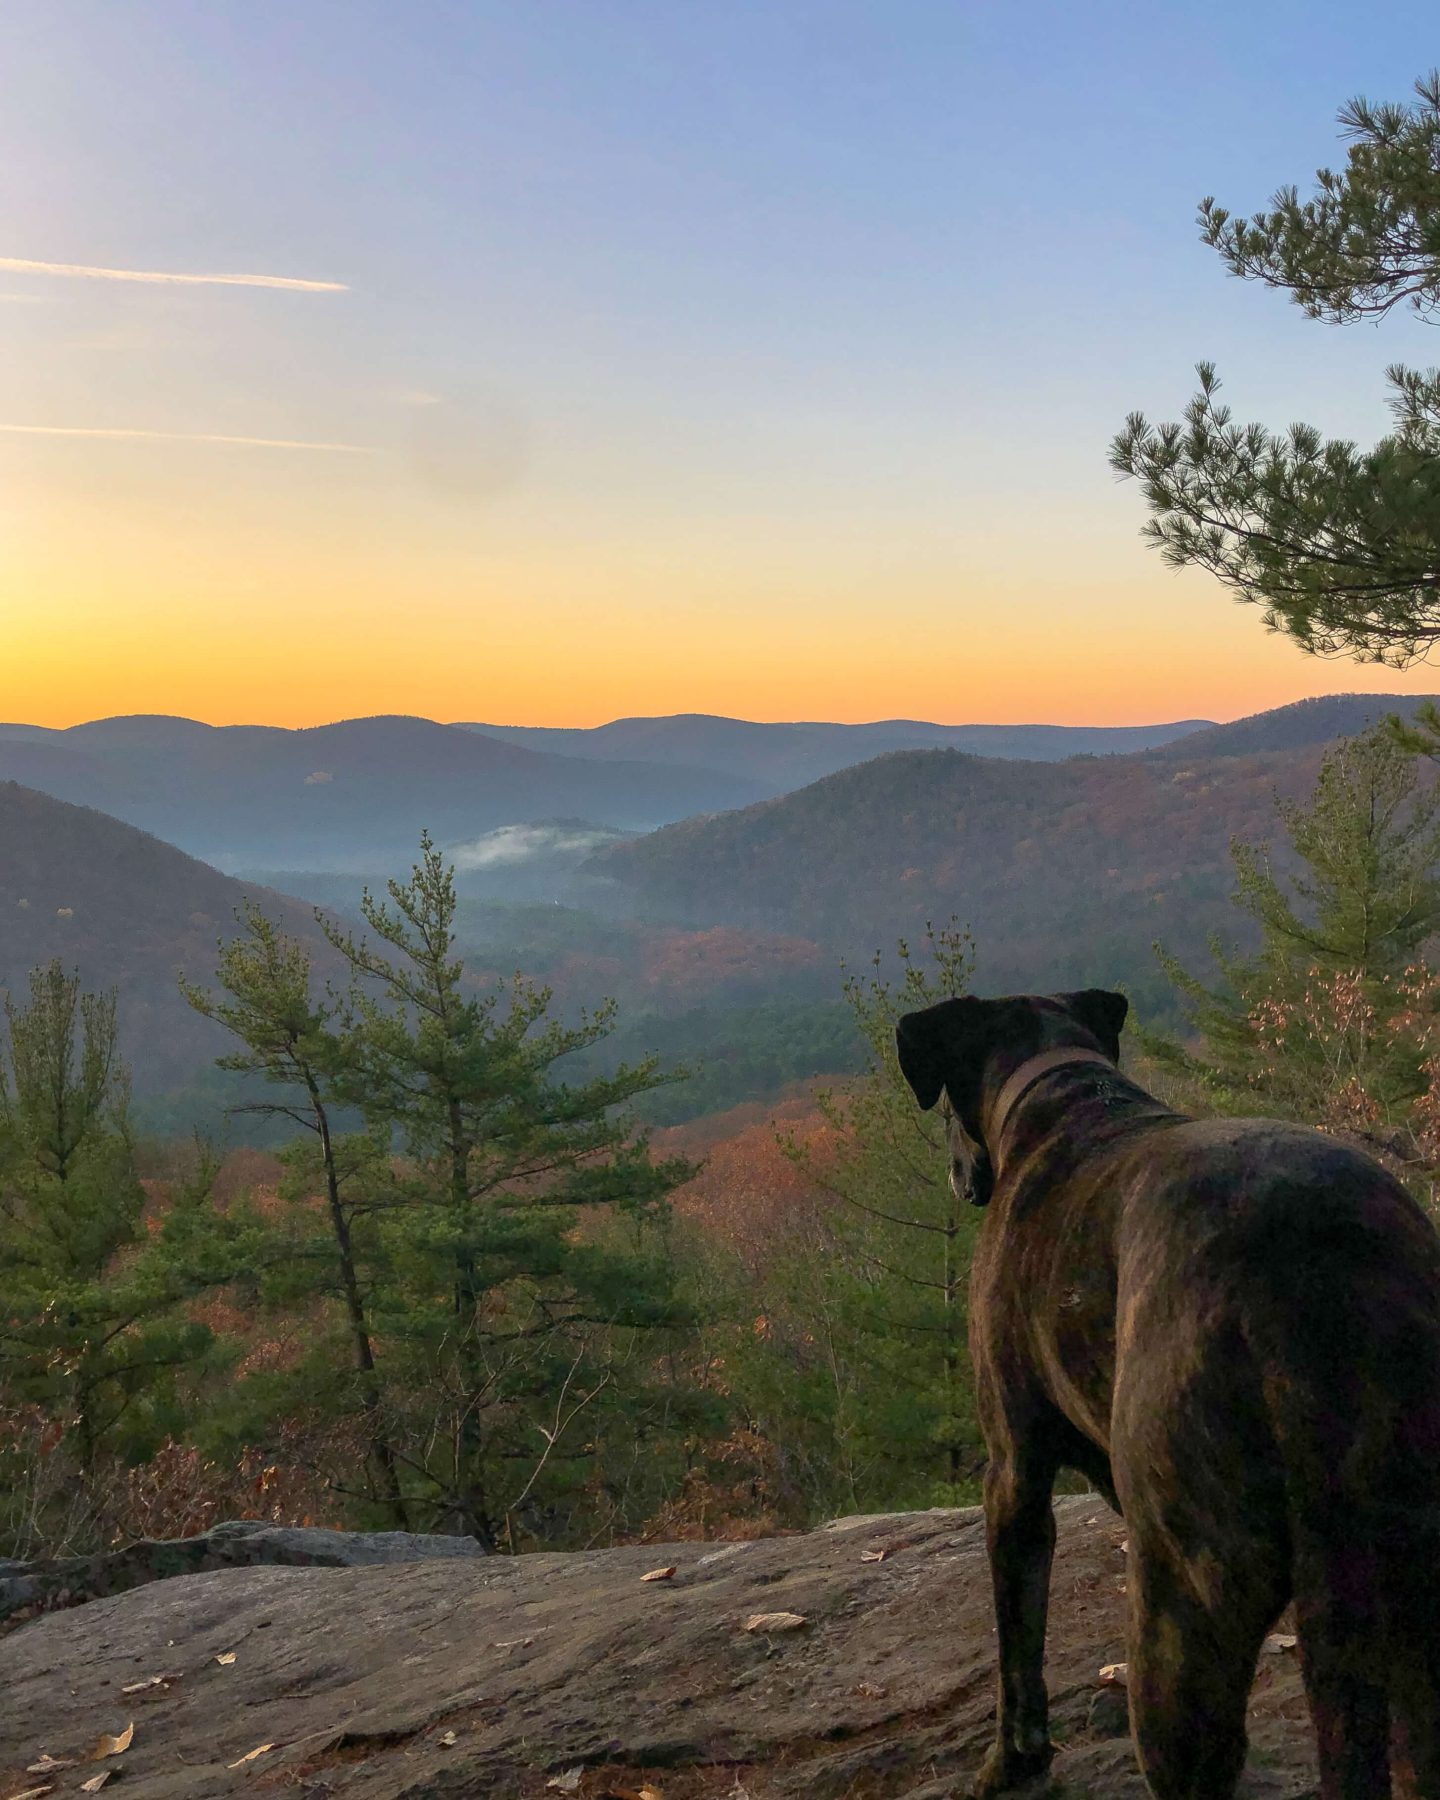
x: 776, y: 1621
x: 651, y: 1792
x: 659, y: 1574
x: 96, y: 1782
x: 225, y: 1658
x: 249, y: 1756
x: 112, y: 1746
x: 1113, y: 1675
x: 447, y: 1738
x: 152, y: 1681
x: 569, y: 1781
x: 1280, y: 1641
x: 873, y: 1555
x: 48, y: 1764
x: 34, y: 1793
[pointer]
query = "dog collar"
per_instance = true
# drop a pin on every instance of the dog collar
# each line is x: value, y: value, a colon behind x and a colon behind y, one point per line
x: 1025, y: 1077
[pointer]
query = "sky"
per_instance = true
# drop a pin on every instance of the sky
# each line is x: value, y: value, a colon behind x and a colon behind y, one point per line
x: 604, y: 357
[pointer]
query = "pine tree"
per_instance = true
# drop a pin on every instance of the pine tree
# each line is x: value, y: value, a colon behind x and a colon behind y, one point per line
x: 267, y: 1001
x: 1316, y: 1025
x: 886, y: 1306
x: 95, y: 1333
x: 524, y: 1226
x: 1339, y: 546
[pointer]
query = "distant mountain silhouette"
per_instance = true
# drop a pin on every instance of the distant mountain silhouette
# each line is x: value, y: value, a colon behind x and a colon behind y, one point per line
x: 349, y: 795
x: 787, y: 756
x: 1316, y: 721
x: 128, y: 912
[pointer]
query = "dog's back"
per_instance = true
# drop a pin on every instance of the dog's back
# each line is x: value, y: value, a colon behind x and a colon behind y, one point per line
x: 1233, y: 1328
x: 1278, y: 1337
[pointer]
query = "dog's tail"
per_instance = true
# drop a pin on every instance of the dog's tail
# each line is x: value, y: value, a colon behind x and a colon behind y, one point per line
x: 1353, y: 1393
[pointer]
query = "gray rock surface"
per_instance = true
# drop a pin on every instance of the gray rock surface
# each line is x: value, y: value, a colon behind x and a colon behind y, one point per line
x: 238, y: 1543
x: 492, y: 1676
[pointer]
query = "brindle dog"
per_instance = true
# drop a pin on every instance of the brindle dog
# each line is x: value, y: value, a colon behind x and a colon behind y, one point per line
x: 1232, y: 1328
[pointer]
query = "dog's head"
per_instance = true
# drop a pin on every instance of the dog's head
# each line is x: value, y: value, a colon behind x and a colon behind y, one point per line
x: 967, y: 1048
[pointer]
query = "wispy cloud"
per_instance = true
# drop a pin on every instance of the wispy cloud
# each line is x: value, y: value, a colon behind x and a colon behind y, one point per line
x: 22, y: 300
x: 186, y: 437
x: 20, y: 265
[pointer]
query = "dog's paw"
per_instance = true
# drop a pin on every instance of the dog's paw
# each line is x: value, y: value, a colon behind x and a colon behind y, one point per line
x: 1006, y: 1770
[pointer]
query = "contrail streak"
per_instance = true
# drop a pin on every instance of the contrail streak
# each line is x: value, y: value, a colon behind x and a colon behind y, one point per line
x: 23, y: 266
x: 186, y: 437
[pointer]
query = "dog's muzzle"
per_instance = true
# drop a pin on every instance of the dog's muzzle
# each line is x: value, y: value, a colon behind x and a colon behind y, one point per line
x: 975, y: 1184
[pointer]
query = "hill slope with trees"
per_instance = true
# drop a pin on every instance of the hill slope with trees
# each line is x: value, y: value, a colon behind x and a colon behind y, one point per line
x: 1066, y: 872
x: 128, y: 912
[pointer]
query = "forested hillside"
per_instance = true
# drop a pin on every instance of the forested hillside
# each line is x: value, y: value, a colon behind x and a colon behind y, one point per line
x: 1066, y: 872
x: 128, y: 912
x: 1316, y: 721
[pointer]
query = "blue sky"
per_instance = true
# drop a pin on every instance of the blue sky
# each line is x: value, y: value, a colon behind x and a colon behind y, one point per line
x: 750, y: 358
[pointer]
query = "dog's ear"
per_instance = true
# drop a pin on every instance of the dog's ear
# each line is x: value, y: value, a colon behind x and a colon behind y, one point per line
x: 935, y: 1045
x: 1102, y: 1014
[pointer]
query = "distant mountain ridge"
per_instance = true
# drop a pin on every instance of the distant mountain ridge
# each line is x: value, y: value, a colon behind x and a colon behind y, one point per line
x: 350, y: 795
x: 1315, y: 721
x: 790, y: 755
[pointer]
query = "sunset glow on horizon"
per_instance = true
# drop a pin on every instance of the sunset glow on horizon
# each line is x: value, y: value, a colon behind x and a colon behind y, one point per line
x: 629, y: 359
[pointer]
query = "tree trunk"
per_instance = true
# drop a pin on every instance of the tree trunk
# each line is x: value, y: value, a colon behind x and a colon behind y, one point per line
x: 381, y: 1454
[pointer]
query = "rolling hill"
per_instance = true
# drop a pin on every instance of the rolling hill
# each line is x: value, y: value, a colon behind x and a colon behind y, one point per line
x: 1066, y: 872
x: 787, y: 756
x: 128, y: 912
x: 1316, y: 721
x: 348, y: 796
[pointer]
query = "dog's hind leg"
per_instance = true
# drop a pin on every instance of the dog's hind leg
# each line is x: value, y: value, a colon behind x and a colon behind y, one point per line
x: 1020, y: 1528
x: 1192, y: 1659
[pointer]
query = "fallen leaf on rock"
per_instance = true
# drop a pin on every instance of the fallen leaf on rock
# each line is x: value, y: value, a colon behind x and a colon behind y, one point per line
x: 112, y: 1746
x: 776, y: 1621
x: 34, y: 1793
x: 249, y: 1756
x: 1280, y: 1641
x: 659, y: 1574
x: 96, y: 1782
x: 1113, y: 1675
x: 48, y: 1764
x: 569, y: 1781
x: 873, y: 1555
x: 447, y: 1738
x: 152, y: 1681
x: 225, y: 1658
